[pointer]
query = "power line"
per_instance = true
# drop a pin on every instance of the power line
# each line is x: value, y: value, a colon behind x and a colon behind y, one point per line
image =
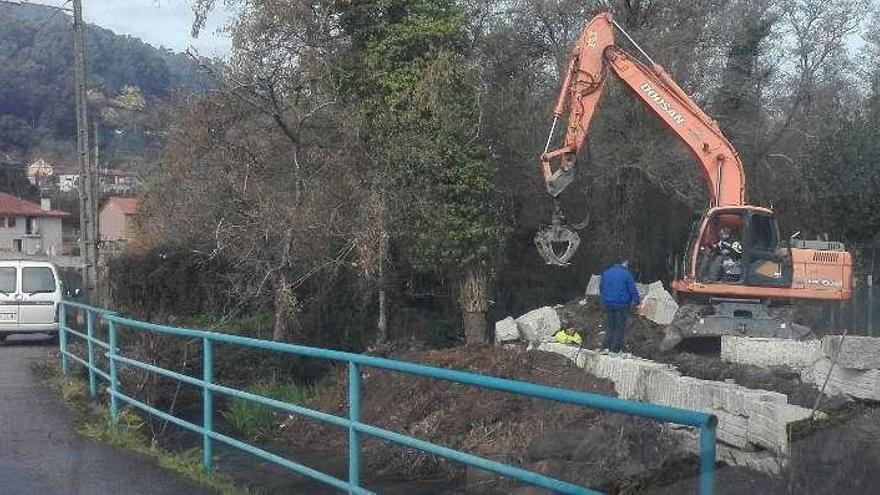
x: 50, y: 18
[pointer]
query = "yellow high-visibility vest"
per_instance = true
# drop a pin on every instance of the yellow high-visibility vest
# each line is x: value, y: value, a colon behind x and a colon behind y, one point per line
x: 564, y: 338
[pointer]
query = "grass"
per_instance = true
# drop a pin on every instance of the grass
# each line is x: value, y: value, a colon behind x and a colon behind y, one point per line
x: 94, y: 421
x: 255, y: 421
x: 260, y: 325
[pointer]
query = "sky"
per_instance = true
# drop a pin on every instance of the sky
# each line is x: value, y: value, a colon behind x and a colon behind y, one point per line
x: 158, y: 22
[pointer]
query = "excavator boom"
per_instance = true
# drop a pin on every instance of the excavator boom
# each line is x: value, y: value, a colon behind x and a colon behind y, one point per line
x: 594, y: 57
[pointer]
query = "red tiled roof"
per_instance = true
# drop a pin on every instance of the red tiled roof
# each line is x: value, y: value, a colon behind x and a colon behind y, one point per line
x: 10, y: 205
x: 127, y: 206
x: 106, y: 172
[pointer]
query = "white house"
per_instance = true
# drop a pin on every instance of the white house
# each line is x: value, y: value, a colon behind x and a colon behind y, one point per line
x: 29, y: 228
x: 42, y: 173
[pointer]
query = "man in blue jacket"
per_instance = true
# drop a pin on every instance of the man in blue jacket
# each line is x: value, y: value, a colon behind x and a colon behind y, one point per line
x: 619, y: 294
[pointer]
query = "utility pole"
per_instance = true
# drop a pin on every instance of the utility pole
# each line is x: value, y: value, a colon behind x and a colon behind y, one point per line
x: 88, y: 186
x: 88, y: 247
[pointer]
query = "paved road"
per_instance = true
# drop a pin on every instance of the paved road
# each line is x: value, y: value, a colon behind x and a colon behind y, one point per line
x: 41, y: 454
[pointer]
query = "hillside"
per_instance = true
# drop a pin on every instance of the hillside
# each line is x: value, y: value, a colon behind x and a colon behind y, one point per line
x: 36, y: 94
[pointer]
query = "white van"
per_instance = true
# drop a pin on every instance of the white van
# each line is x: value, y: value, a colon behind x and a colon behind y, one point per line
x: 29, y: 295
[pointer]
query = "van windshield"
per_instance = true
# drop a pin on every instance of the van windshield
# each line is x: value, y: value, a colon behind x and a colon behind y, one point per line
x: 37, y: 279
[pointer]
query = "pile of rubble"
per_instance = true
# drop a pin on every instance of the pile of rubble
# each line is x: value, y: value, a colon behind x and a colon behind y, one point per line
x: 540, y: 325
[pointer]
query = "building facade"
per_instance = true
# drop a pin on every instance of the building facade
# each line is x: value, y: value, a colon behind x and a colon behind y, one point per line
x: 115, y: 219
x: 28, y: 229
x: 66, y: 178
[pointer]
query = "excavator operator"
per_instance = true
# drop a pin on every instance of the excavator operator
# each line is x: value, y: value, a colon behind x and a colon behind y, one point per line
x: 727, y: 263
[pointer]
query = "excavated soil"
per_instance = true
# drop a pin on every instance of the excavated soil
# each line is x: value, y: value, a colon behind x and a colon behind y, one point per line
x: 609, y: 452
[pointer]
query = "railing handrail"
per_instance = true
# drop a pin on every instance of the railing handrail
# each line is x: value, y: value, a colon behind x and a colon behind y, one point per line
x: 643, y: 409
x: 705, y: 422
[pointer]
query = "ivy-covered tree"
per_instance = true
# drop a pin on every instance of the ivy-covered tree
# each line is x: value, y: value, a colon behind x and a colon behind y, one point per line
x: 419, y: 103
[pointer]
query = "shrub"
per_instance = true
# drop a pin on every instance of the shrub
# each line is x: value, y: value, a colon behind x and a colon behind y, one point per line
x: 255, y: 421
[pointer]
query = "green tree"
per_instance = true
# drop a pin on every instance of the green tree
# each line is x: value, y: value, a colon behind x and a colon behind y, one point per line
x: 420, y: 106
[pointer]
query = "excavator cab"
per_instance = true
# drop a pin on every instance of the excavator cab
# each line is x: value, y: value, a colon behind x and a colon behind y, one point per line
x: 740, y: 246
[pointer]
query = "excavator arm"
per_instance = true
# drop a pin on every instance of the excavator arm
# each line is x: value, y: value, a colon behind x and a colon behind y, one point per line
x: 593, y: 58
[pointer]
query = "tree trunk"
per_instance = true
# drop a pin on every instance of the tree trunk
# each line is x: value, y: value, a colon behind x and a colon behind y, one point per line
x: 474, y: 327
x: 473, y: 297
x: 285, y: 311
x: 382, y: 324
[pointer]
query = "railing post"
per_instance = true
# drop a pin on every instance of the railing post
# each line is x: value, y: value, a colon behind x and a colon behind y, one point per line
x: 90, y: 331
x: 114, y: 382
x: 707, y: 459
x: 62, y: 337
x: 354, y: 415
x: 207, y: 403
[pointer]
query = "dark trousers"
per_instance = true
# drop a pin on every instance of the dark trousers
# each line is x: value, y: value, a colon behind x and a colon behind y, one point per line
x: 615, y: 326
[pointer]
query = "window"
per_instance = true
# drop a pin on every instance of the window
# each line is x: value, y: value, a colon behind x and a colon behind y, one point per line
x: 16, y: 245
x: 29, y: 227
x: 10, y: 222
x: 37, y: 279
x: 763, y: 237
x: 2, y: 222
x: 7, y: 280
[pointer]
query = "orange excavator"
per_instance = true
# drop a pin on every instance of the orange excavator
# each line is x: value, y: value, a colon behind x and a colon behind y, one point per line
x: 738, y: 276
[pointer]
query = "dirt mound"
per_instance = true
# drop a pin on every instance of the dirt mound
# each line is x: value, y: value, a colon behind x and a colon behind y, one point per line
x: 588, y: 447
x: 588, y: 317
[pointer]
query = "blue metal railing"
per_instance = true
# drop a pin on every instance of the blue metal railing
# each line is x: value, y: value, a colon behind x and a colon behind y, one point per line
x: 704, y: 422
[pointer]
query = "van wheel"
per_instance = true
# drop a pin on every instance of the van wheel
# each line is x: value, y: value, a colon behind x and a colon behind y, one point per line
x: 2, y: 338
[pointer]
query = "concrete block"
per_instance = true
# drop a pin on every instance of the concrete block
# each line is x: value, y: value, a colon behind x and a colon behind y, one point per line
x: 860, y: 353
x: 593, y: 285
x: 577, y: 356
x: 658, y: 305
x: 747, y: 417
x: 861, y: 384
x: 506, y: 330
x: 733, y: 430
x: 539, y: 325
x: 796, y: 354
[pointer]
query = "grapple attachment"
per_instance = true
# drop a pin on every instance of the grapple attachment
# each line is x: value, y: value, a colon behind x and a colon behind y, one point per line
x: 557, y: 242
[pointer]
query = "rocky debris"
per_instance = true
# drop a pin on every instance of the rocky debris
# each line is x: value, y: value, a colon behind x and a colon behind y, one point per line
x: 506, y: 330
x: 746, y: 417
x: 593, y: 285
x: 859, y: 384
x: 658, y: 305
x: 539, y: 325
x: 858, y: 353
